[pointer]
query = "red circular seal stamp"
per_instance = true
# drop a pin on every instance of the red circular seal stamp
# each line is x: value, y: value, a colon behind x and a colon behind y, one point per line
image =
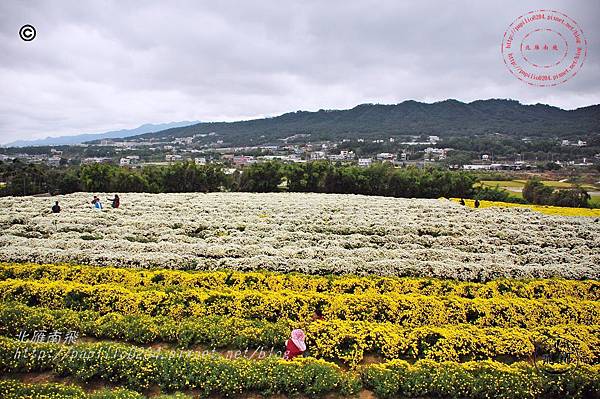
x: 544, y: 48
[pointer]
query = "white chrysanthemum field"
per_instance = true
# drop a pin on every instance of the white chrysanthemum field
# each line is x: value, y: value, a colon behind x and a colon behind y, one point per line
x: 298, y: 232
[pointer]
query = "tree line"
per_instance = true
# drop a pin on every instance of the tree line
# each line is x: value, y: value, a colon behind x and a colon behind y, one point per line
x: 535, y: 192
x: 320, y: 176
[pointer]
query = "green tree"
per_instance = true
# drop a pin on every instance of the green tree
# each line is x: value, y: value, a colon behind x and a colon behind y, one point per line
x: 261, y: 177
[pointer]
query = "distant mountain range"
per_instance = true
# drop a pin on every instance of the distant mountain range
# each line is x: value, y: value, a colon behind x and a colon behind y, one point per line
x: 81, y: 138
x: 449, y: 118
x: 445, y: 118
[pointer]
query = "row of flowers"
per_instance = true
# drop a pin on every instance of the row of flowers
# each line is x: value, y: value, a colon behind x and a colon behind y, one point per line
x: 13, y: 389
x: 338, y: 340
x: 139, y: 369
x: 312, y: 233
x: 408, y: 310
x: 267, y: 281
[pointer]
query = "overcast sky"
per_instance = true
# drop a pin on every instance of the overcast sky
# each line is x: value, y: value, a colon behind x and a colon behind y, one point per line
x: 105, y: 65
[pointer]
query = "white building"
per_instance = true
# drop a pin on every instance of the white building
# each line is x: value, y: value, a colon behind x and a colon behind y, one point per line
x: 434, y: 139
x: 565, y: 142
x: 386, y: 156
x: 173, y: 157
x: 200, y: 161
x: 87, y: 161
x: 125, y: 162
x: 54, y: 161
x: 365, y: 162
x: 317, y: 155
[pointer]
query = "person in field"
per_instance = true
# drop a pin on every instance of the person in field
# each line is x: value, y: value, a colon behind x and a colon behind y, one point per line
x: 476, y: 203
x: 96, y: 203
x: 462, y: 202
x: 56, y: 208
x: 115, y: 201
x: 295, y: 346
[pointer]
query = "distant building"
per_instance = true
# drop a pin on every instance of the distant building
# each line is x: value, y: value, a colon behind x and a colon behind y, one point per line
x: 87, y: 161
x: 184, y: 140
x: 54, y: 161
x: 581, y: 143
x: 386, y: 156
x: 242, y: 160
x: 485, y: 157
x: 173, y: 157
x: 434, y: 139
x: 565, y: 142
x: 317, y: 155
x: 200, y: 161
x: 365, y: 162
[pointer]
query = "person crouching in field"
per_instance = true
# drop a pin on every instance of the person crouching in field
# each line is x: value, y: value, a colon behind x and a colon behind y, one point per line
x: 295, y: 346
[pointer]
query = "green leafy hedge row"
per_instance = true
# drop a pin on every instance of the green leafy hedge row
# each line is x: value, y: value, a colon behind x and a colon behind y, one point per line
x: 211, y: 331
x: 140, y: 369
x: 12, y: 389
x: 340, y: 340
x: 269, y: 281
x: 484, y: 379
x: 407, y: 310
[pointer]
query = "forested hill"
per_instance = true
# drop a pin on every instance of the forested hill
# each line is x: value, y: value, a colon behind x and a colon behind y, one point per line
x: 445, y: 118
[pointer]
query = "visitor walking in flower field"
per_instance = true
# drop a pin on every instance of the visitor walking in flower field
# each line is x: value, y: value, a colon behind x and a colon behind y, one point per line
x: 462, y: 202
x: 56, y: 208
x: 115, y: 201
x: 476, y: 203
x: 295, y: 346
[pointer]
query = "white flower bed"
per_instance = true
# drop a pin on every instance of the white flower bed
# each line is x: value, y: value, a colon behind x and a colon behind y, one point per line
x: 311, y: 233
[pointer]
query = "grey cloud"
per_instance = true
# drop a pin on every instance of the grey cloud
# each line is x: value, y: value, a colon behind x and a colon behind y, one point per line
x: 108, y: 65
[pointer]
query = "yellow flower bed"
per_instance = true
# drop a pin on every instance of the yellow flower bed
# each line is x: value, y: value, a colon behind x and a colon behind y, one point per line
x: 546, y: 209
x: 272, y: 281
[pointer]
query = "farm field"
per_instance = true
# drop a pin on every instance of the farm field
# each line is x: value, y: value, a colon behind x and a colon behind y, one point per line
x: 391, y: 336
x: 197, y: 294
x: 515, y: 187
x: 545, y: 209
x: 308, y: 233
x: 521, y: 183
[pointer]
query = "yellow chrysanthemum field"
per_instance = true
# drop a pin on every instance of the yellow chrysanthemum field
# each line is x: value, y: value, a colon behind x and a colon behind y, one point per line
x: 546, y: 209
x: 195, y: 295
